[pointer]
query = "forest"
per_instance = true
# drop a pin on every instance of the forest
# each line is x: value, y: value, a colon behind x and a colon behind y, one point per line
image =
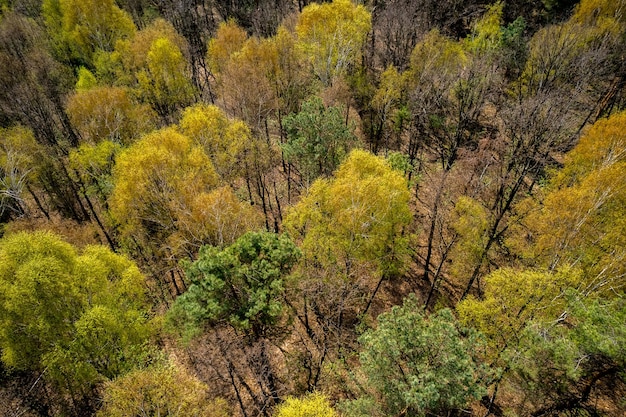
x: 271, y: 208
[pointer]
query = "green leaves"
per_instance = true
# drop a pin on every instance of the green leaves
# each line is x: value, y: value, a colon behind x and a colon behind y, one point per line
x: 241, y: 285
x: 318, y: 139
x: 418, y: 365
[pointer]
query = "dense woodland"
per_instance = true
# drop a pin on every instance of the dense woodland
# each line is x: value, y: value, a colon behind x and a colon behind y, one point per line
x: 279, y: 208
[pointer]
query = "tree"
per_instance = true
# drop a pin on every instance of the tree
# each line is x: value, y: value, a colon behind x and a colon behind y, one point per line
x: 331, y: 36
x: 318, y: 140
x: 579, y: 220
x: 226, y: 142
x: 389, y: 106
x: 58, y: 304
x: 512, y: 299
x: 258, y: 17
x: 416, y: 366
x: 164, y: 83
x: 167, y: 203
x: 448, y: 87
x: 82, y: 28
x: 564, y: 366
x: 356, y: 216
x: 164, y: 390
x: 487, y: 33
x: 228, y: 40
x: 241, y: 285
x: 195, y: 21
x: 33, y: 84
x: 237, y: 298
x: 92, y: 166
x: 109, y: 113
x: 154, y: 64
x: 173, y: 172
x: 312, y: 405
x: 18, y: 148
x: 131, y: 55
x: 398, y: 25
x: 245, y: 83
x: 351, y: 229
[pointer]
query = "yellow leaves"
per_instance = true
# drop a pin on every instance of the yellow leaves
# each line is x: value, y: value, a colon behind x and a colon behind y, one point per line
x: 38, y: 295
x: 589, y: 11
x: 228, y: 40
x: 18, y: 149
x: 86, y: 79
x: 224, y: 141
x: 255, y: 77
x: 487, y: 30
x: 217, y: 218
x: 312, y: 405
x: 164, y: 83
x: 246, y: 81
x: 87, y: 25
x: 164, y: 167
x: 109, y: 113
x: 92, y: 165
x: 581, y: 220
x: 133, y: 53
x: 357, y: 215
x: 164, y: 390
x: 551, y: 51
x: 153, y: 64
x: 513, y: 298
x: 557, y: 52
x: 109, y: 278
x: 389, y: 91
x: 165, y: 190
x: 471, y: 221
x: 51, y: 296
x: 436, y: 54
x: 603, y: 145
x: 331, y: 35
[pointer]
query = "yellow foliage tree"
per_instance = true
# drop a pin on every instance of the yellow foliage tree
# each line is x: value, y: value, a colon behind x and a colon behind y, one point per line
x: 512, y: 299
x: 164, y: 82
x: 165, y: 195
x: 224, y: 141
x: 600, y: 11
x: 581, y: 220
x: 154, y: 64
x: 331, y: 36
x: 109, y: 113
x: 19, y: 152
x: 487, y: 31
x: 358, y: 215
x: 228, y: 40
x: 164, y: 390
x: 245, y: 82
x: 81, y: 316
x: 81, y: 28
x: 312, y: 405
